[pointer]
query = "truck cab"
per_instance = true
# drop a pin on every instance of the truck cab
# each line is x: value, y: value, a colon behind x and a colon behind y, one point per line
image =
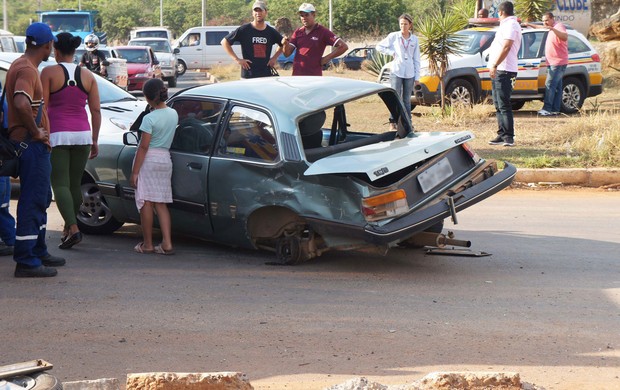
x: 80, y: 23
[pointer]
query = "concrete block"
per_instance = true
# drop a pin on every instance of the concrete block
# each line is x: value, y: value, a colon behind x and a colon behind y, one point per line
x: 188, y: 381
x: 469, y: 381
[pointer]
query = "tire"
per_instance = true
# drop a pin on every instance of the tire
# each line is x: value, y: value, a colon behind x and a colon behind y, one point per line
x: 172, y: 81
x: 517, y: 105
x: 573, y: 95
x: 181, y: 67
x: 94, y: 216
x: 36, y: 381
x: 460, y: 91
x: 288, y: 250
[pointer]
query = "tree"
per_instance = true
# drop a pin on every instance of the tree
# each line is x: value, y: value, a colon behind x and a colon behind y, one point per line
x: 438, y: 40
x: 532, y: 10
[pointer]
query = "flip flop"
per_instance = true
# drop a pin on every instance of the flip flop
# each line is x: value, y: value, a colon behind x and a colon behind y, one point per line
x: 161, y: 251
x: 140, y: 249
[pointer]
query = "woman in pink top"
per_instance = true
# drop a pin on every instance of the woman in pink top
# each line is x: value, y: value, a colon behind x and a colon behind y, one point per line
x: 66, y: 88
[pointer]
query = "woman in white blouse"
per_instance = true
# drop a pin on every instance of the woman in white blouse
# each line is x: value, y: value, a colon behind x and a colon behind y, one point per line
x: 405, y: 49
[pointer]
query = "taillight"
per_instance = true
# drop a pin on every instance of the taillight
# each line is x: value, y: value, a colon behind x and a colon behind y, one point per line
x: 474, y: 156
x: 596, y: 58
x: 388, y: 205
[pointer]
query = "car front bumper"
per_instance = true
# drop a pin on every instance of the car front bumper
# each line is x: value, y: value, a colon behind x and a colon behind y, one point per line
x: 168, y: 72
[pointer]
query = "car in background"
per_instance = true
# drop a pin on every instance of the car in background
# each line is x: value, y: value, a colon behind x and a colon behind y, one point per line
x: 108, y: 51
x: 165, y: 54
x: 303, y: 178
x: 119, y: 109
x: 353, y: 59
x: 467, y: 80
x: 142, y: 65
x: 285, y: 62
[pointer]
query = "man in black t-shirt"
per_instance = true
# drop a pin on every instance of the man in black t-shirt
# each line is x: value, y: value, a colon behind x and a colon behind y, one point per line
x: 93, y: 59
x: 256, y: 39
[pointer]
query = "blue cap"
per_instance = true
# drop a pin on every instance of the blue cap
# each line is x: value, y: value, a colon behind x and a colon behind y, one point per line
x: 40, y: 34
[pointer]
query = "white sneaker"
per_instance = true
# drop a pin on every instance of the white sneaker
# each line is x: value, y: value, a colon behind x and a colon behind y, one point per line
x: 544, y: 113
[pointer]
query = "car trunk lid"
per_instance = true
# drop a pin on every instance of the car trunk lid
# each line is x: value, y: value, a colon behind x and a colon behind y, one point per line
x: 379, y: 159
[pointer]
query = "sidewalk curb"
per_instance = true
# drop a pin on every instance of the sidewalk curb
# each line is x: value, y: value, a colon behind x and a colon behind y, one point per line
x: 586, y: 177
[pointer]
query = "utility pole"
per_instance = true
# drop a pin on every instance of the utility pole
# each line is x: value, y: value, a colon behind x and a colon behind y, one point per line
x: 161, y: 12
x: 5, y: 20
x: 204, y: 12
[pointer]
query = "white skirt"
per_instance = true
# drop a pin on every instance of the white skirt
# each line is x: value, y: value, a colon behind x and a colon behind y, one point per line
x: 155, y: 178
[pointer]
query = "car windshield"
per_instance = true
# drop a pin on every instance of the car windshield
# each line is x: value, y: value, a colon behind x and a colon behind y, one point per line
x: 65, y: 22
x: 472, y: 40
x: 152, y: 34
x: 136, y: 56
x: 158, y: 46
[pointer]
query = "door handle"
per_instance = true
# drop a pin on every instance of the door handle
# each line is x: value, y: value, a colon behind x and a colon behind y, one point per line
x: 194, y: 165
x: 529, y: 66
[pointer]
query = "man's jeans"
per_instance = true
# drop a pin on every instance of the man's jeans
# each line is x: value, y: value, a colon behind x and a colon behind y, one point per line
x: 35, y: 197
x: 404, y: 89
x: 553, y: 95
x: 7, y: 222
x: 502, y: 86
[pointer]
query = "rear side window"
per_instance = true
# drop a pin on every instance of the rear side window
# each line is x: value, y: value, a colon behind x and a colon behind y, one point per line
x: 249, y: 133
x: 575, y: 45
x: 214, y: 38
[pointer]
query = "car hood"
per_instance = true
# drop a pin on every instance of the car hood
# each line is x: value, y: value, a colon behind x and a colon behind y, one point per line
x: 164, y: 56
x: 379, y: 159
x: 133, y: 68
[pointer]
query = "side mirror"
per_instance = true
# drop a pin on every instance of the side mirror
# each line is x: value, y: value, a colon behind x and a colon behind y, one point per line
x: 155, y: 62
x: 105, y: 63
x: 130, y: 138
x: 176, y: 50
x: 99, y: 23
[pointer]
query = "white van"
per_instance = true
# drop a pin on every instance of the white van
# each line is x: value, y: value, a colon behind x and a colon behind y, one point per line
x: 151, y: 32
x: 199, y: 48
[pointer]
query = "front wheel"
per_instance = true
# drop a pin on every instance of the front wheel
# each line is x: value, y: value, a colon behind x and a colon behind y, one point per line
x: 460, y: 92
x: 181, y: 67
x: 517, y: 105
x: 573, y: 95
x: 172, y: 81
x: 94, y: 216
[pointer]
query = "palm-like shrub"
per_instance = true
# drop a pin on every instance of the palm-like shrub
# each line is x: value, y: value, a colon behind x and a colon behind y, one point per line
x: 438, y: 40
x: 531, y: 10
x: 375, y: 63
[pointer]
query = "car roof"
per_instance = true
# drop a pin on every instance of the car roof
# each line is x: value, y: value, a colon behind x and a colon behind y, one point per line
x: 132, y: 47
x: 289, y: 97
x: 149, y: 39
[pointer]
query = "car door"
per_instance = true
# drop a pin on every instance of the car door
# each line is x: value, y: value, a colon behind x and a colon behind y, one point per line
x: 529, y: 58
x: 190, y: 153
x: 246, y: 173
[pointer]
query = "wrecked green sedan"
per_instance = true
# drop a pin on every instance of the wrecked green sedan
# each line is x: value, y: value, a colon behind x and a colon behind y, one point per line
x: 285, y: 164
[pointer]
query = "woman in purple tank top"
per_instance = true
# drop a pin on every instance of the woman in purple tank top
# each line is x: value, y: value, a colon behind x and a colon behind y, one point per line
x: 66, y: 89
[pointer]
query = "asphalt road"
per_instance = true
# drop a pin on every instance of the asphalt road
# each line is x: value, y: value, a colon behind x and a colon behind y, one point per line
x: 544, y: 304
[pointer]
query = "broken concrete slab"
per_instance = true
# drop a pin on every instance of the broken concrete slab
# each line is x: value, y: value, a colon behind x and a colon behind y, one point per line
x: 188, y: 381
